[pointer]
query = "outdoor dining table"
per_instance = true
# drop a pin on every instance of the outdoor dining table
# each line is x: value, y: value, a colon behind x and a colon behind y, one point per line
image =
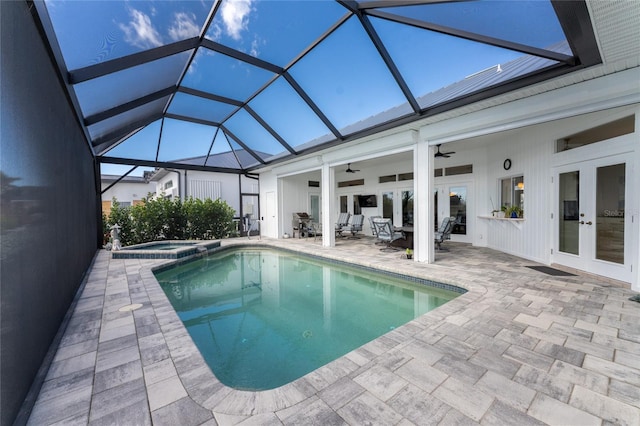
x: 407, y: 241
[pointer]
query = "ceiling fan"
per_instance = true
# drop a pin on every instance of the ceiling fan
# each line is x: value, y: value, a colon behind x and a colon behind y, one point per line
x: 443, y: 154
x: 350, y: 170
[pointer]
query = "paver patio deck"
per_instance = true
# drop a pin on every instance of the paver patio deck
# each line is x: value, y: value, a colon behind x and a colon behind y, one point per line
x: 520, y: 347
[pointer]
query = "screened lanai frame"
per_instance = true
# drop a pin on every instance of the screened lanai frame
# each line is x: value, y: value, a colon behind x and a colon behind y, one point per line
x: 339, y: 70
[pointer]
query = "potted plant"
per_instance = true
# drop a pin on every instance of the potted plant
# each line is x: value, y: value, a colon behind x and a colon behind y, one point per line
x: 514, y: 212
x: 409, y: 253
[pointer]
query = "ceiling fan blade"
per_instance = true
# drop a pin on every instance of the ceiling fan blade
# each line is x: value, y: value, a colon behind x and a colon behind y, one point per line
x: 443, y: 154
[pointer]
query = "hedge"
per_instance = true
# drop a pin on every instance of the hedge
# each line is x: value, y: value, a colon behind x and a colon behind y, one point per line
x: 164, y: 219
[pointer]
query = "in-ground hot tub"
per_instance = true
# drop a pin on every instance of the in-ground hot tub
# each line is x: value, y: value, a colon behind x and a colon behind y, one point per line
x: 172, y: 249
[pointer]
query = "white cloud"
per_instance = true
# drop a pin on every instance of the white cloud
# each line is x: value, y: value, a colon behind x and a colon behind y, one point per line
x: 235, y: 15
x: 255, y: 48
x: 140, y: 32
x: 184, y: 26
x: 215, y: 32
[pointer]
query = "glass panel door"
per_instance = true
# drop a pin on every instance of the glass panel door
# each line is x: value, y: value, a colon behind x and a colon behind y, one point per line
x: 407, y: 207
x: 458, y: 209
x: 610, y: 203
x: 569, y: 205
x: 387, y: 205
x: 435, y: 209
x: 314, y: 208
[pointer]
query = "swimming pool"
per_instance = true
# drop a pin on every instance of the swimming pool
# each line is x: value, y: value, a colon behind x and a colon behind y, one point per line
x: 262, y: 317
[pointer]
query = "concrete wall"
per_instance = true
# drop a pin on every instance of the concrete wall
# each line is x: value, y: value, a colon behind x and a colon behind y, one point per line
x: 49, y: 222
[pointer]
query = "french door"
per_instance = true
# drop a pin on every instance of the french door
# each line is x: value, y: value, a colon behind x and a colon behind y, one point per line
x: 592, y: 231
x: 397, y: 205
x: 453, y: 200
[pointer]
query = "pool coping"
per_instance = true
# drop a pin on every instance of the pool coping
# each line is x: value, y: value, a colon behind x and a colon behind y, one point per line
x: 201, y: 384
x: 191, y: 248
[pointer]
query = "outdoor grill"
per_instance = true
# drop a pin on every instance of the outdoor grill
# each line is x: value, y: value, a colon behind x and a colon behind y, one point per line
x: 300, y: 223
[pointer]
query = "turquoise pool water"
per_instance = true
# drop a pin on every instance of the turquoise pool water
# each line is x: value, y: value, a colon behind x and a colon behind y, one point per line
x: 263, y: 318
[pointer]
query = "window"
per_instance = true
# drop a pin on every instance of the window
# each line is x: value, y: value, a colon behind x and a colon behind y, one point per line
x: 405, y: 176
x: 168, y: 184
x: 347, y: 183
x: 459, y: 170
x: 624, y: 126
x: 388, y: 178
x: 512, y: 191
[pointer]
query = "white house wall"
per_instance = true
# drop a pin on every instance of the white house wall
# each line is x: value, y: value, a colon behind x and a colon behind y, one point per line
x: 127, y: 191
x: 229, y: 185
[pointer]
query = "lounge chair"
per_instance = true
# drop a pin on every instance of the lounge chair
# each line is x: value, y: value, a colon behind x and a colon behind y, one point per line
x: 356, y: 225
x: 342, y: 223
x: 386, y: 233
x: 444, y: 232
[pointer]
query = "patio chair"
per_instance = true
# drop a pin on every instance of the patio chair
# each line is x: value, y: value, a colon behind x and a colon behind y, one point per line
x: 314, y: 229
x: 356, y: 225
x: 342, y: 223
x: 373, y: 228
x: 386, y: 233
x: 444, y: 232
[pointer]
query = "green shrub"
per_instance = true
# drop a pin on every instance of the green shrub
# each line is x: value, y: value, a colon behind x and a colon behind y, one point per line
x: 122, y: 216
x: 163, y: 219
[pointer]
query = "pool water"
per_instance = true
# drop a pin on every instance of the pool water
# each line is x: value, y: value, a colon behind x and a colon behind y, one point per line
x: 263, y: 318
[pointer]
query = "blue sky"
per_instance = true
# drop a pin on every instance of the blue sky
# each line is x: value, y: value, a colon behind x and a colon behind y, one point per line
x: 344, y: 75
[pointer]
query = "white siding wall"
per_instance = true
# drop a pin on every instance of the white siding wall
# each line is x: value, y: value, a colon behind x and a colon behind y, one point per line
x: 530, y: 151
x: 204, y: 189
x: 124, y: 191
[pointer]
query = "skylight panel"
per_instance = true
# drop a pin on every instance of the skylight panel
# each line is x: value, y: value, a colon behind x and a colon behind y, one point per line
x: 244, y: 157
x: 275, y: 31
x: 348, y: 80
x: 529, y: 22
x: 419, y: 54
x: 185, y: 140
x: 98, y: 94
x: 281, y: 107
x: 253, y: 134
x: 122, y: 121
x: 222, y: 75
x: 198, y: 107
x: 142, y: 145
x: 221, y: 154
x: 90, y: 32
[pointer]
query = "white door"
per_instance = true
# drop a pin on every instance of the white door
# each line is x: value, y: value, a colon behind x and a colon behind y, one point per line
x: 269, y: 226
x: 592, y: 231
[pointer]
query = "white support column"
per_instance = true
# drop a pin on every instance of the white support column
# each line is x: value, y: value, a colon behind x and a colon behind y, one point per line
x: 635, y: 212
x: 328, y: 204
x: 423, y: 161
